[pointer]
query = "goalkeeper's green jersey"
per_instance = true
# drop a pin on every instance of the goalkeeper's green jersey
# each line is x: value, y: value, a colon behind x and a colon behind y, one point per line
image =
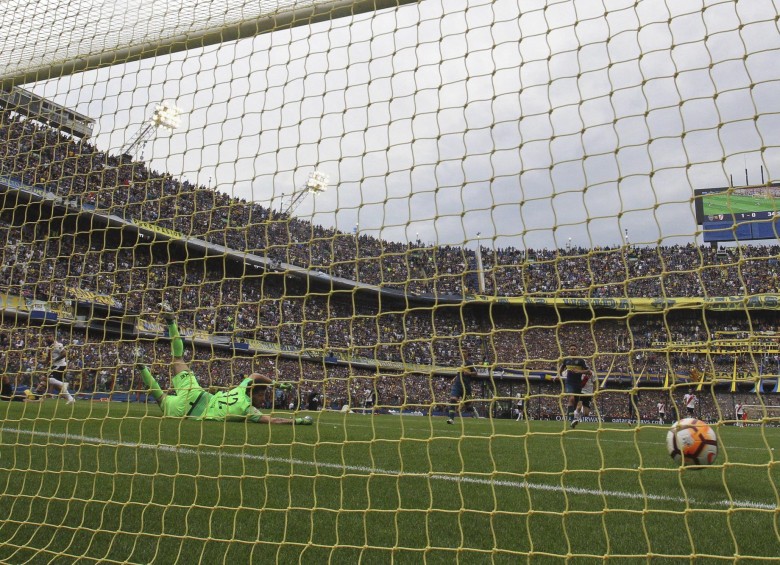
x: 233, y: 404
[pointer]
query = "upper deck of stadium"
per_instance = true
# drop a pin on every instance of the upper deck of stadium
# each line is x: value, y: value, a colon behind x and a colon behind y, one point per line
x: 109, y: 184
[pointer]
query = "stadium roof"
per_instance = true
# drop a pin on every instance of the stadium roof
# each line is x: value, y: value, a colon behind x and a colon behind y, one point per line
x: 48, y: 39
x: 48, y: 112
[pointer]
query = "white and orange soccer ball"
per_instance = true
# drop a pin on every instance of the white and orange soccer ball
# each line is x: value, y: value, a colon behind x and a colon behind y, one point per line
x: 692, y: 442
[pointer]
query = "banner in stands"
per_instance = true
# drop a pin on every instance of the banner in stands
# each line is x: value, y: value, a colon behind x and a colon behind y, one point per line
x: 12, y: 302
x: 644, y: 421
x: 755, y: 302
x: 22, y: 304
x: 89, y: 296
x: 160, y: 229
x: 721, y: 346
x: 16, y: 184
x: 63, y: 310
x: 253, y: 344
x: 43, y: 315
x: 151, y: 326
x: 155, y: 327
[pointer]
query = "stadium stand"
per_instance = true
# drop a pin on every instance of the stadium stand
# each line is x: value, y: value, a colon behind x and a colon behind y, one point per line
x: 50, y: 259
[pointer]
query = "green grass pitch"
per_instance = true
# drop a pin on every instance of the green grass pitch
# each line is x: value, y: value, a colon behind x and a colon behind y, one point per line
x: 724, y: 203
x: 111, y: 482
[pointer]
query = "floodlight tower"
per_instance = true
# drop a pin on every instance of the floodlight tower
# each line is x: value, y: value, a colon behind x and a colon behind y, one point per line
x: 480, y: 265
x: 165, y: 116
x: 317, y: 183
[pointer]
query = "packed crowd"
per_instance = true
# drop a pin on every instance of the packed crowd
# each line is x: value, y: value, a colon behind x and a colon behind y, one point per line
x: 284, y: 310
x: 46, y: 260
x: 112, y: 184
x: 97, y: 365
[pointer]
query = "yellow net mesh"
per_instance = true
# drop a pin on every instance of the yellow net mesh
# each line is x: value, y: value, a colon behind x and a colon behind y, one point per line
x: 411, y: 226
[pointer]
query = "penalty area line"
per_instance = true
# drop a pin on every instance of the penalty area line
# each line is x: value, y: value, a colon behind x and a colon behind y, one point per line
x: 523, y: 485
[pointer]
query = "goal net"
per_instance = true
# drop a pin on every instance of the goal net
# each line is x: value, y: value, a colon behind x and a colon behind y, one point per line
x: 756, y: 413
x: 389, y: 281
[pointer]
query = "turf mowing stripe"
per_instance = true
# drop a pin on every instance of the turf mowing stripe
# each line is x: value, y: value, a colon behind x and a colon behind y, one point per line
x: 362, y: 469
x: 578, y: 435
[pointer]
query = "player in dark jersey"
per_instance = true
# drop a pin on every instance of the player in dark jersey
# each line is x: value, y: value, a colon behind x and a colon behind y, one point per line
x: 8, y: 392
x: 572, y: 369
x: 460, y: 391
x: 241, y: 403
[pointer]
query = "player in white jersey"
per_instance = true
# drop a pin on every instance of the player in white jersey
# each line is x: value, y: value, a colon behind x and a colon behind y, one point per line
x: 58, y: 363
x: 739, y: 412
x: 661, y: 406
x: 586, y: 396
x: 690, y: 402
x: 368, y: 399
x: 519, y: 406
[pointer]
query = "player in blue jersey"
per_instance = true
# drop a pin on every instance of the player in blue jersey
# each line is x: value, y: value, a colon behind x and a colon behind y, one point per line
x: 8, y: 392
x: 460, y: 391
x: 573, y: 369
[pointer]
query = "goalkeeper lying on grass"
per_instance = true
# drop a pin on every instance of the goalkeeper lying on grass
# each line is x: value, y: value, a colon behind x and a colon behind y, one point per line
x: 240, y: 404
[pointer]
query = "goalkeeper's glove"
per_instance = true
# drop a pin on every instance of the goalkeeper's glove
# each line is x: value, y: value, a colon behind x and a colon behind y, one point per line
x: 138, y: 359
x: 305, y: 421
x: 282, y: 385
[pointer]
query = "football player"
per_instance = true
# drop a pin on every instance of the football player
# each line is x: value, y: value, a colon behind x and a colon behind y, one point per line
x: 241, y: 403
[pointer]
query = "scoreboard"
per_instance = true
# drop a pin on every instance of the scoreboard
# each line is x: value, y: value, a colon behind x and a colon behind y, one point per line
x: 736, y: 229
x: 739, y: 214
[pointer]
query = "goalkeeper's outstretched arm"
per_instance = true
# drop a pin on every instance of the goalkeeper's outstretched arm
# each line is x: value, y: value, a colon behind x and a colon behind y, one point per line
x: 303, y: 421
x: 259, y: 388
x: 264, y: 380
x: 259, y: 418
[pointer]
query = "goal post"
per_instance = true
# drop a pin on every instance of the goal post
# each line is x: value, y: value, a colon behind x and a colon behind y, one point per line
x: 148, y: 32
x: 758, y: 413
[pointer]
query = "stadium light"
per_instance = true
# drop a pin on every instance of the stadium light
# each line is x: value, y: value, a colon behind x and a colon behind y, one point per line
x: 480, y: 265
x: 317, y: 183
x: 166, y: 116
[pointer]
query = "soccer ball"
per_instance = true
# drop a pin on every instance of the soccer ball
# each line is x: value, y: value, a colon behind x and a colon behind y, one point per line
x: 692, y: 442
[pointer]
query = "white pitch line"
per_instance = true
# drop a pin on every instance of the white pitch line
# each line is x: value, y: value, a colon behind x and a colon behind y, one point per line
x: 571, y: 490
x: 578, y: 436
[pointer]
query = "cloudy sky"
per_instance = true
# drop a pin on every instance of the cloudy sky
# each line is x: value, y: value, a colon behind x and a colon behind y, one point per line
x: 527, y: 121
